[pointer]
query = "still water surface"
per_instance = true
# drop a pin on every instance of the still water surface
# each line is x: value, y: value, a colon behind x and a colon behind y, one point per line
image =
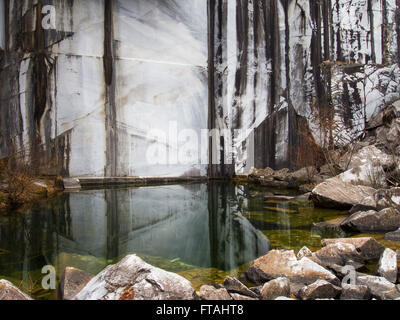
x: 201, y: 231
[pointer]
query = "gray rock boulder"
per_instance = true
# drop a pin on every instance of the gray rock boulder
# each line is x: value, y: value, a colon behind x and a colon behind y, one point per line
x: 233, y: 285
x: 72, y: 282
x: 282, y: 263
x: 393, y: 236
x: 379, y: 287
x: 211, y: 293
x: 368, y: 248
x: 334, y: 193
x: 338, y: 253
x: 134, y: 279
x: 273, y: 289
x: 10, y: 292
x: 355, y: 292
x: 387, y: 266
x: 320, y: 289
x: 372, y: 221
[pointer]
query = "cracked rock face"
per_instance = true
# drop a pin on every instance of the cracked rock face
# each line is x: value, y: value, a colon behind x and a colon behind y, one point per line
x: 133, y: 279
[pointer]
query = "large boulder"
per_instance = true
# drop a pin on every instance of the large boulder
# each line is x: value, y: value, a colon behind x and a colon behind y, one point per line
x: 387, y: 266
x: 134, y: 279
x: 379, y: 287
x: 320, y: 289
x: 212, y: 293
x: 10, y: 292
x: 273, y: 289
x: 372, y: 221
x: 282, y: 263
x: 368, y: 248
x: 334, y: 193
x: 72, y: 282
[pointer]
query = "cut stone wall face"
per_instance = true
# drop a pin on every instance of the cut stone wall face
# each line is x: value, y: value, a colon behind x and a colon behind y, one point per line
x: 126, y: 88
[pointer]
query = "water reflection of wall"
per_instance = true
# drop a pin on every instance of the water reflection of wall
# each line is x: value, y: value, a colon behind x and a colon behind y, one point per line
x: 199, y: 224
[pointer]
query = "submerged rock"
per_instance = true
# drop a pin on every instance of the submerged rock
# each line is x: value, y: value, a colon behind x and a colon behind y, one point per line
x: 387, y: 266
x: 273, y: 289
x: 334, y: 193
x: 10, y: 292
x: 354, y: 292
x: 134, y: 279
x: 212, y: 293
x: 326, y: 228
x: 281, y: 263
x: 320, y: 289
x: 368, y: 248
x: 72, y: 282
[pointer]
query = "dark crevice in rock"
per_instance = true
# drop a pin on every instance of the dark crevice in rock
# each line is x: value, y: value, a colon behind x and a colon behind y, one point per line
x: 110, y: 106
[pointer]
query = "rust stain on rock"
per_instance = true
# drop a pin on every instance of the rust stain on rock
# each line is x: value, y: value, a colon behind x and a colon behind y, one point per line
x: 128, y: 294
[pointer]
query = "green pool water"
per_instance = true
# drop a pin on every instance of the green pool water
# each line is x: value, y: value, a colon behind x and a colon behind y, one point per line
x: 202, y: 231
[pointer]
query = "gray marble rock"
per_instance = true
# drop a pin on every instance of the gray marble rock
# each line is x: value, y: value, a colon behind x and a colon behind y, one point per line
x: 273, y: 289
x: 334, y: 193
x: 387, y: 266
x: 372, y: 221
x: 134, y: 279
x: 211, y: 293
x: 320, y: 289
x: 379, y: 287
x: 233, y: 285
x: 284, y: 263
x: 393, y: 236
x: 10, y: 292
x: 355, y: 292
x: 368, y: 248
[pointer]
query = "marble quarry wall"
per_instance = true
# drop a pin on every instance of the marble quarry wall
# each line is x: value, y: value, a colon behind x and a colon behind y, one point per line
x: 130, y: 88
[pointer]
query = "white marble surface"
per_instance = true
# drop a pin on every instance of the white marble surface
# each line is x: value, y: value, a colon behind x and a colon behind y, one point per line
x: 161, y: 84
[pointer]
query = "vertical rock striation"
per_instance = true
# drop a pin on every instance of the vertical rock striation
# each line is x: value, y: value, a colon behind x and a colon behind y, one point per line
x: 291, y: 63
x: 119, y: 87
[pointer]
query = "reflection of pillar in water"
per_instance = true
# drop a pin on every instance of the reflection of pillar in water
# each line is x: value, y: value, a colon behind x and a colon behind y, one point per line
x: 112, y: 224
x: 233, y: 240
